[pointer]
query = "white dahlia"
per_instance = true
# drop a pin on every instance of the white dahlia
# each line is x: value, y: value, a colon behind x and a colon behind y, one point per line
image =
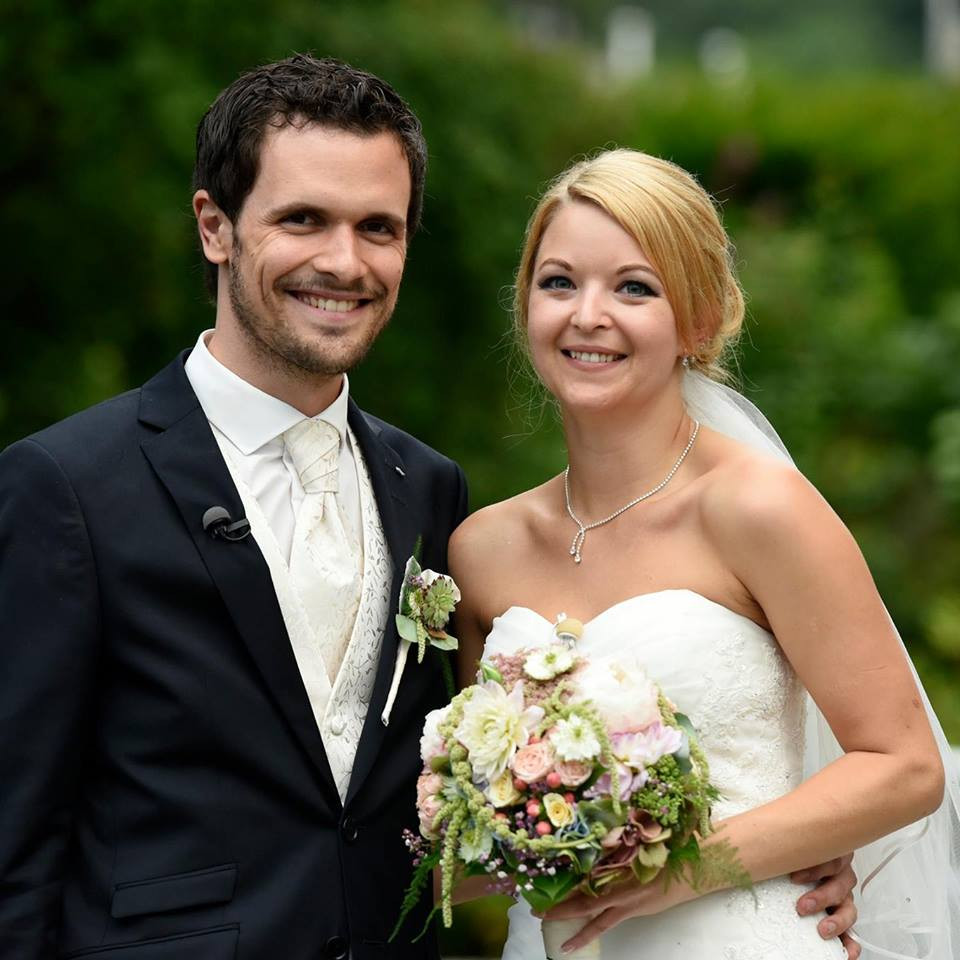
x: 494, y: 725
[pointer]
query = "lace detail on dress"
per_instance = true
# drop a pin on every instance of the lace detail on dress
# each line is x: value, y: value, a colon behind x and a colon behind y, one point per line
x: 778, y: 930
x: 750, y: 687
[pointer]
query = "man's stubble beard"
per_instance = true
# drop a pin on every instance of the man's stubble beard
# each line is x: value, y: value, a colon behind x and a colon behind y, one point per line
x: 275, y: 344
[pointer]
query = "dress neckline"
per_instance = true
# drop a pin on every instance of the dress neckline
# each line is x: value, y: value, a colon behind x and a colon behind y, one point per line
x: 642, y: 597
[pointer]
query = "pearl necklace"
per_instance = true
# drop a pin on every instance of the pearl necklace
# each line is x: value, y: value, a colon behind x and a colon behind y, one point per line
x: 582, y: 528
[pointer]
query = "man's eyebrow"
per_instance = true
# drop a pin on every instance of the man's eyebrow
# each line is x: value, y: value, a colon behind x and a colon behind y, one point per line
x: 281, y: 212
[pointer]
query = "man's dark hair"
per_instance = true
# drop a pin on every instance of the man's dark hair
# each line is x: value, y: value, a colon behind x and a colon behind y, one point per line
x: 299, y: 90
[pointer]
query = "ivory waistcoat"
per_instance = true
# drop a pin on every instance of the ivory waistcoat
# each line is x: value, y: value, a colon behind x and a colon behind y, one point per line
x: 339, y: 708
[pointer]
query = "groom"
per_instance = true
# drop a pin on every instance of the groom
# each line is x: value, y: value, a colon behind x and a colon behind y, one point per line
x: 193, y: 762
x: 198, y: 581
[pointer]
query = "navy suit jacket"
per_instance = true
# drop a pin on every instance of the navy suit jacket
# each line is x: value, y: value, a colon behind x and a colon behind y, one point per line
x: 164, y: 791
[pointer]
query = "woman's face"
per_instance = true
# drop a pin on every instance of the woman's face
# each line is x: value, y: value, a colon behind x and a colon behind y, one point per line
x: 602, y: 333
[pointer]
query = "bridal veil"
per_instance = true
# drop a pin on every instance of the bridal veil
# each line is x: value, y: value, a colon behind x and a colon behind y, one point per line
x: 909, y: 899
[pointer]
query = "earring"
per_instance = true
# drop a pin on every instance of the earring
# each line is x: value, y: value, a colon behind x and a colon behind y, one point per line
x: 688, y: 361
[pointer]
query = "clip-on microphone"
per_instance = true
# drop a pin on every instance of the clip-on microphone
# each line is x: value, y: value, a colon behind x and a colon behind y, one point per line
x: 221, y: 526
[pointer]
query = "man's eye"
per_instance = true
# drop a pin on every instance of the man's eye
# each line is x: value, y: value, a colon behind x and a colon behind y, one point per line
x: 299, y: 218
x: 556, y: 283
x: 637, y: 288
x: 380, y: 227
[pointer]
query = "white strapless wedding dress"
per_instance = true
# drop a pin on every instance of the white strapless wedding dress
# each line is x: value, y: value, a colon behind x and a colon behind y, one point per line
x: 730, y: 677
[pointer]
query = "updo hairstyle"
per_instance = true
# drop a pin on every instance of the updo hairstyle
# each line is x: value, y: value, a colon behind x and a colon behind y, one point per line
x: 675, y: 223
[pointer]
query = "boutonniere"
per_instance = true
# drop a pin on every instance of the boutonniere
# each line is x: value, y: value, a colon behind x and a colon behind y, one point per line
x: 427, y: 599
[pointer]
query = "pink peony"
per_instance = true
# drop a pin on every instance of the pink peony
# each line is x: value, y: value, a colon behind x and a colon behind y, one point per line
x: 648, y: 746
x: 573, y: 772
x: 534, y: 761
x: 619, y: 691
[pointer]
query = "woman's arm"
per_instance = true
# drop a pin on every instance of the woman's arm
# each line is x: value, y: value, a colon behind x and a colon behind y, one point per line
x: 801, y: 564
x: 796, y: 558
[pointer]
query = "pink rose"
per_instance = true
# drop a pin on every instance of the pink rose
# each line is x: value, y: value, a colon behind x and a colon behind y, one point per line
x: 428, y: 808
x: 573, y: 772
x: 534, y: 761
x: 428, y: 784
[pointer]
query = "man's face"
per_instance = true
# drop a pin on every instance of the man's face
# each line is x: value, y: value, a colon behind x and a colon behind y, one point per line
x: 318, y: 247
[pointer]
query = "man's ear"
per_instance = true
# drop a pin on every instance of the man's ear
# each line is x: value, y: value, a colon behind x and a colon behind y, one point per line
x: 216, y: 230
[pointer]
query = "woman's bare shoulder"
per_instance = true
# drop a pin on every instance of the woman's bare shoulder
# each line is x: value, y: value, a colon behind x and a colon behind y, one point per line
x: 499, y: 527
x: 750, y: 498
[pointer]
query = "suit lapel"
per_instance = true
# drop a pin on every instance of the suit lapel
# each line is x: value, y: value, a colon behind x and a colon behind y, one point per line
x: 186, y: 458
x: 400, y: 530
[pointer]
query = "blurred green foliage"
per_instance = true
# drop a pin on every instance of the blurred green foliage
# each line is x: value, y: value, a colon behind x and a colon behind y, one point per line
x: 842, y: 194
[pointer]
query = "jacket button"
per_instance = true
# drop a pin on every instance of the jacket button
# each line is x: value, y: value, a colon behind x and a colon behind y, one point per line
x: 349, y: 830
x: 336, y: 949
x: 337, y: 726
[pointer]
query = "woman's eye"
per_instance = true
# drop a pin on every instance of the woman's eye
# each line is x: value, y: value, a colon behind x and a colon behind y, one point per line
x: 555, y: 283
x: 637, y: 288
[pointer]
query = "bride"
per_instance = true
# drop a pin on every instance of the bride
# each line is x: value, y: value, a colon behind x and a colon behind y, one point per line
x: 686, y: 542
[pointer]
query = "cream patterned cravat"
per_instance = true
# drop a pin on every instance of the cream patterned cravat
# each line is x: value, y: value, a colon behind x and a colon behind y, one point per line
x: 325, y: 562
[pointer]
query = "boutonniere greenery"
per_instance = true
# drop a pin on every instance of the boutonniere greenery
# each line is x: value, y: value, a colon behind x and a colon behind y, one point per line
x: 427, y: 600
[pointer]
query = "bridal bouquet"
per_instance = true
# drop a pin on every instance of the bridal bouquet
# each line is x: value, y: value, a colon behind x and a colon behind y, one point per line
x: 556, y: 774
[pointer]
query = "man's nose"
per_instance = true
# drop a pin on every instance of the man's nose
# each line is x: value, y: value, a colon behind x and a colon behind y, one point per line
x: 339, y: 255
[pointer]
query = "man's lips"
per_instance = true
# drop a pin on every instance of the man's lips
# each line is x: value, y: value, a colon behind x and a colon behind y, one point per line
x: 330, y: 302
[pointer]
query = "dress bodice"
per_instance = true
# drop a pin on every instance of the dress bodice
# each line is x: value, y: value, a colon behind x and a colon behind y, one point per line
x: 725, y: 672
x: 730, y: 677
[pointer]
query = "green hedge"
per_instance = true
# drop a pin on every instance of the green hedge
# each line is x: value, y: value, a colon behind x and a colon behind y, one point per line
x: 842, y: 195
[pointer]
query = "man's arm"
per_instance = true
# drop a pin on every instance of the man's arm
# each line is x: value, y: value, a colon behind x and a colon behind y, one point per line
x: 49, y: 633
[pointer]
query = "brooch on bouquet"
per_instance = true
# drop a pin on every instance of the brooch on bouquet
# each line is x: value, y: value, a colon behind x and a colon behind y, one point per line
x: 427, y: 600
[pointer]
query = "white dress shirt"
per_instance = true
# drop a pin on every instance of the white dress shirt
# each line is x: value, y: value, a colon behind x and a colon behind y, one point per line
x: 248, y: 425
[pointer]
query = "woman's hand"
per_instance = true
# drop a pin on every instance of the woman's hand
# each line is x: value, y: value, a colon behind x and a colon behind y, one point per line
x: 618, y: 903
x: 833, y: 893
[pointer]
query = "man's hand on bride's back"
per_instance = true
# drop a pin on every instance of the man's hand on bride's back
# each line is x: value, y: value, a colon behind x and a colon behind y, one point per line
x: 834, y: 893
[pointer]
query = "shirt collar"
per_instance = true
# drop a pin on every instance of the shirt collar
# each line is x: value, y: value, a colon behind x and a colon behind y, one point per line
x: 246, y: 415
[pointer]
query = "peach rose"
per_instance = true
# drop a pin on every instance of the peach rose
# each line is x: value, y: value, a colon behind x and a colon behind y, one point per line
x: 573, y: 772
x: 428, y: 808
x: 534, y: 761
x: 428, y: 784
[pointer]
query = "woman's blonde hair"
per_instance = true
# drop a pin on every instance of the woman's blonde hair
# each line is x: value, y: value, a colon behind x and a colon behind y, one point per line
x: 677, y: 226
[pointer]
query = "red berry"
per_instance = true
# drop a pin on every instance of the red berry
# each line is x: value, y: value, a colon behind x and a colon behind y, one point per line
x: 533, y: 809
x: 569, y: 797
x: 543, y: 828
x: 500, y: 815
x: 519, y: 784
x: 553, y: 780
